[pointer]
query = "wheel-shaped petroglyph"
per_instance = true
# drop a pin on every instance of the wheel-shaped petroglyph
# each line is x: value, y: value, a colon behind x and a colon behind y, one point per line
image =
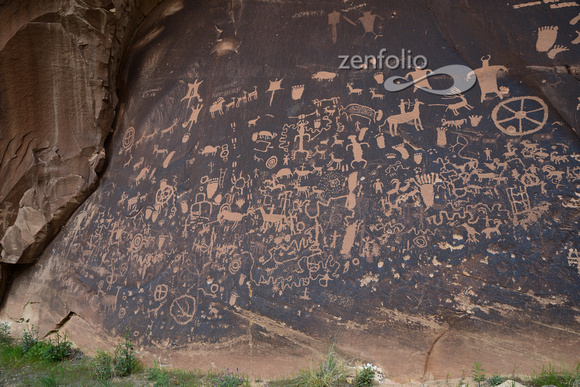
x: 183, y: 309
x: 520, y: 115
x: 129, y: 138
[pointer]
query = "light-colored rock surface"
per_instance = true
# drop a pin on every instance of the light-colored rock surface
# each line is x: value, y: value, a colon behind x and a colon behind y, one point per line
x: 58, y: 66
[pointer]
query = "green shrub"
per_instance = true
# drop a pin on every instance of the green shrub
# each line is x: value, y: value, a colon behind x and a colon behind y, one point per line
x: 59, y: 348
x: 37, y: 351
x: 478, y: 374
x: 121, y: 363
x: 125, y: 361
x: 229, y: 379
x: 4, y: 332
x: 29, y: 338
x: 496, y: 380
x: 157, y: 375
x: 365, y: 377
x: 102, y: 366
x: 48, y: 381
x: 563, y: 378
x: 331, y: 372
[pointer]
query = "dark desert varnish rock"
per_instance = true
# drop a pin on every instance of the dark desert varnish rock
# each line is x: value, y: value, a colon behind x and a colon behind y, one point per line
x: 259, y: 202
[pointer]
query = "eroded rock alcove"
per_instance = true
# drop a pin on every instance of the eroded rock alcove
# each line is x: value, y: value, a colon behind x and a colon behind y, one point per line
x: 259, y: 201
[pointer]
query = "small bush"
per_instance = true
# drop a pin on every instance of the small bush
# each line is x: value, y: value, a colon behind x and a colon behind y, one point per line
x: 331, y: 372
x: 121, y: 363
x: 125, y: 361
x: 478, y: 374
x: 48, y: 381
x: 365, y: 377
x: 229, y: 379
x: 157, y: 375
x: 102, y: 366
x: 59, y: 348
x: 4, y: 332
x: 496, y: 380
x: 563, y: 378
x: 29, y: 338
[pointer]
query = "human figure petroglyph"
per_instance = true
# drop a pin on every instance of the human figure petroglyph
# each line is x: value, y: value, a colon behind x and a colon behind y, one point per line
x: 193, y: 92
x: 421, y: 74
x: 404, y: 118
x: 300, y: 137
x: 357, y: 151
x: 487, y: 78
x: 275, y: 85
x: 368, y: 22
x: 193, y: 117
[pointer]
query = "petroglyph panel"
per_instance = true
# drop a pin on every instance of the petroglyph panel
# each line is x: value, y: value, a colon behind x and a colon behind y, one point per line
x: 259, y: 177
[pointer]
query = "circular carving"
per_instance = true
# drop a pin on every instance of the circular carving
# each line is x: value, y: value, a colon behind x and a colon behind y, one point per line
x: 164, y: 193
x: 183, y: 309
x: 160, y: 292
x: 129, y: 137
x: 420, y: 241
x: 137, y: 242
x: 235, y: 266
x: 520, y: 116
x: 272, y: 162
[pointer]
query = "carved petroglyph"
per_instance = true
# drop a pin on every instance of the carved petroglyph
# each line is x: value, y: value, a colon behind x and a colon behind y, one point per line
x: 520, y: 115
x: 296, y: 195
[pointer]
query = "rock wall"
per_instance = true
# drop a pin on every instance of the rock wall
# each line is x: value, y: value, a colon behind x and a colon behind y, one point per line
x: 261, y: 201
x: 58, y: 66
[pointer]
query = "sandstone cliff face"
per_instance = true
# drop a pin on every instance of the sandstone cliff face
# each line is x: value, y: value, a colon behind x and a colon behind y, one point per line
x: 260, y: 201
x: 58, y: 66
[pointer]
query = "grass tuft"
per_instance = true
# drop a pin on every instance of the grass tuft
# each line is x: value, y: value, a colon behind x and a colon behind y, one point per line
x: 330, y: 372
x: 562, y: 378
